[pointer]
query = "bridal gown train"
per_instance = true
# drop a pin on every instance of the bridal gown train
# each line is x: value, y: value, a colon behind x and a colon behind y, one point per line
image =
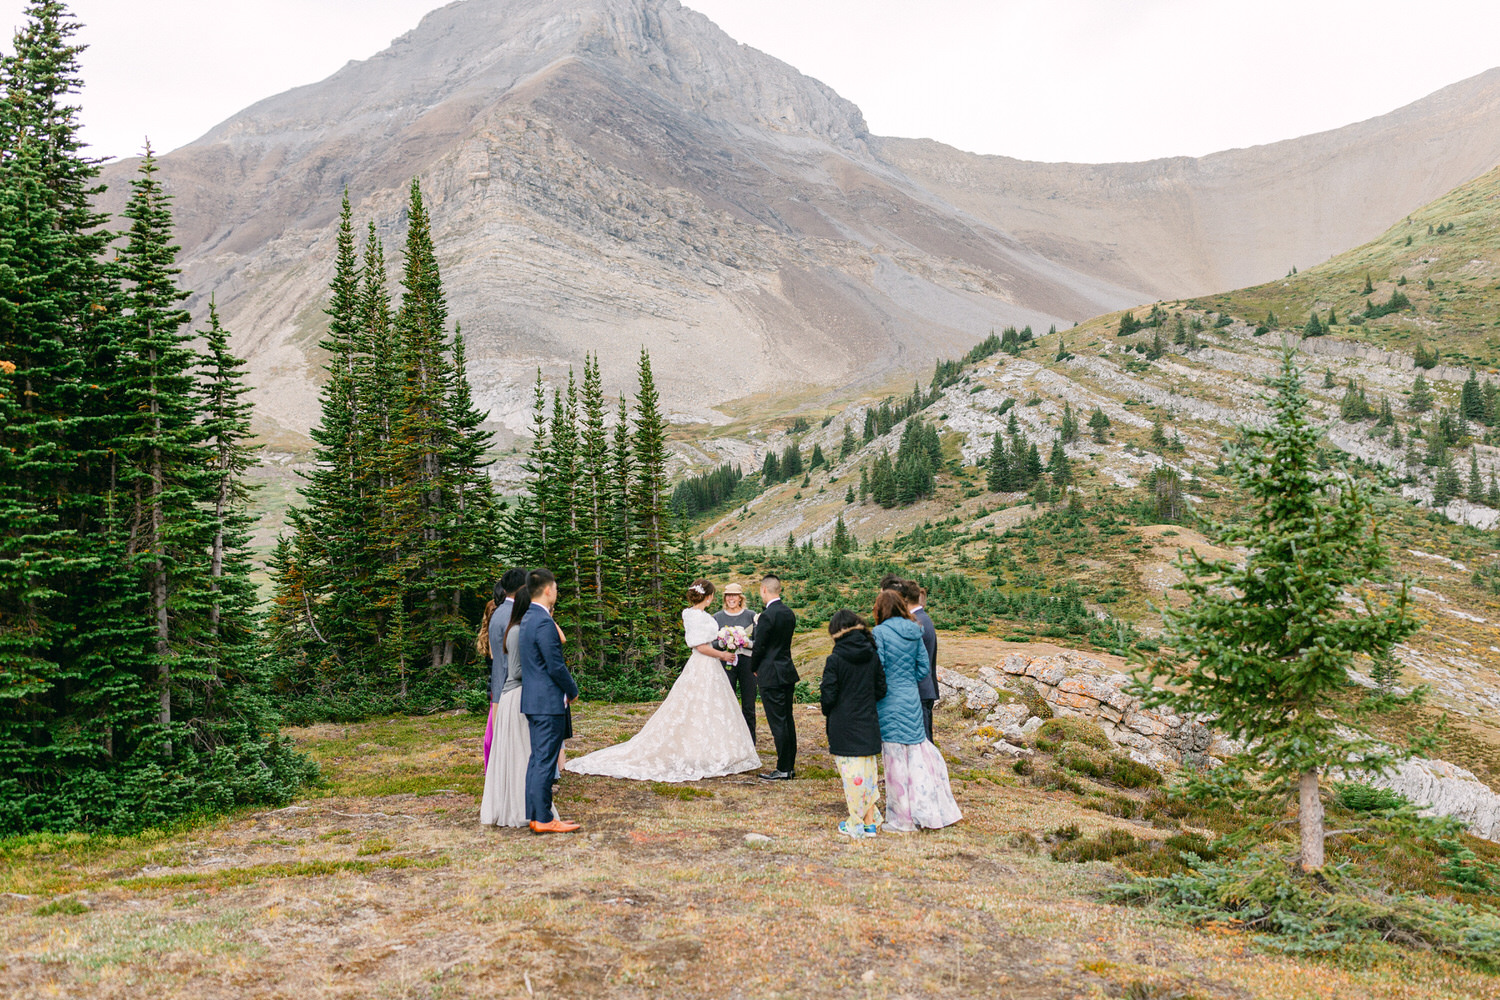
x: 698, y: 732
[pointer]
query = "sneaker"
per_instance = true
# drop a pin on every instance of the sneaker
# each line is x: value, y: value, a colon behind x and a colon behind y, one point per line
x: 871, y: 829
x: 855, y: 830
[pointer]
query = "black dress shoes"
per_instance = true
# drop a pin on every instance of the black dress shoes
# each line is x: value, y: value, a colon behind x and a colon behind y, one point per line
x: 778, y: 775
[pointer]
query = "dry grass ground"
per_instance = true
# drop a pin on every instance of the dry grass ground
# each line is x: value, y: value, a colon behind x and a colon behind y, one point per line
x: 382, y: 884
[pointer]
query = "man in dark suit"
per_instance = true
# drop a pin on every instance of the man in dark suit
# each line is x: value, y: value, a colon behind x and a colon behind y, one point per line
x: 771, y: 662
x: 547, y: 689
x: 927, y: 690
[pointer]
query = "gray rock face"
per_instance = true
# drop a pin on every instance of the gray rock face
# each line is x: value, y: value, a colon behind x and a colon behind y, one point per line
x: 1077, y: 684
x: 607, y: 174
x: 1446, y: 789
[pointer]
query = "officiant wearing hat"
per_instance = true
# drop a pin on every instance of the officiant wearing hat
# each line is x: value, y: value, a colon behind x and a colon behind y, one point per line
x: 733, y: 613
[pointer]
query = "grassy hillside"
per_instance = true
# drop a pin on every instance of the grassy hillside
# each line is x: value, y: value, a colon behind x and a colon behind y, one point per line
x: 995, y: 559
x: 1448, y: 254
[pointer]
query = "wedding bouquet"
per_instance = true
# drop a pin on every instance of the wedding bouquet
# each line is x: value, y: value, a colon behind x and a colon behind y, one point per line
x: 732, y: 638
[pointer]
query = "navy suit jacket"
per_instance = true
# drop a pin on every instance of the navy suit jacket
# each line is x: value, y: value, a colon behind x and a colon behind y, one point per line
x: 927, y: 688
x: 546, y: 684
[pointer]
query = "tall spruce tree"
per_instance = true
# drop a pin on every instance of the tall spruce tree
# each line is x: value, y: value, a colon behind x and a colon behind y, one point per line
x: 234, y: 646
x: 649, y: 512
x: 162, y: 471
x: 1265, y: 647
x: 330, y: 522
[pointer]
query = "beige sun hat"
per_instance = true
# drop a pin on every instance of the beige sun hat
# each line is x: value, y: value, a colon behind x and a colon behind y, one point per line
x: 734, y: 588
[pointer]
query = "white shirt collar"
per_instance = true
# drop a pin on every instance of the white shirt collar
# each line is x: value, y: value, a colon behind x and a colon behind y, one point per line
x: 772, y: 601
x: 916, y: 609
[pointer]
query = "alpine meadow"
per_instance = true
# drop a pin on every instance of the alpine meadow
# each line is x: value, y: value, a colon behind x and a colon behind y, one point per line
x: 560, y: 507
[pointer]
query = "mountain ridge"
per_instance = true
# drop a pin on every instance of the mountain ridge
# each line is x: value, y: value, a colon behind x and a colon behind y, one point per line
x: 611, y: 174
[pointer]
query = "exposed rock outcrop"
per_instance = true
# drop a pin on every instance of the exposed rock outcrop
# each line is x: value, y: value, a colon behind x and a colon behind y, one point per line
x: 1078, y: 684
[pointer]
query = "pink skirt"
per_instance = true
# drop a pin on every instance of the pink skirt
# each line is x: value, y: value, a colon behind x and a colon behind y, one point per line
x: 916, y: 788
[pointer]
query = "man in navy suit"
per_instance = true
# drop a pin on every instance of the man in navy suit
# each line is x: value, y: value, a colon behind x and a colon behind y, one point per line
x: 916, y: 599
x: 547, y: 689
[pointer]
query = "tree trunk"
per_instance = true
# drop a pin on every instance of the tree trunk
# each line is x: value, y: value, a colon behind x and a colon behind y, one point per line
x: 1310, y: 816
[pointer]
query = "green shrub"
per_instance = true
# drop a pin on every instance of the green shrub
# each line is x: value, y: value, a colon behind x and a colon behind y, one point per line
x: 1333, y: 910
x: 1069, y: 729
x: 1129, y: 773
x: 1080, y: 757
x: 1035, y: 704
x: 1107, y: 846
x: 1366, y: 798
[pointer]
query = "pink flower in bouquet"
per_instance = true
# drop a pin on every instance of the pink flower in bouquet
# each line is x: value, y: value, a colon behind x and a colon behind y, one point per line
x: 732, y: 638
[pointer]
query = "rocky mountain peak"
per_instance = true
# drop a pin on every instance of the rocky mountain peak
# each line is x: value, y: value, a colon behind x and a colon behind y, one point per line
x: 478, y: 50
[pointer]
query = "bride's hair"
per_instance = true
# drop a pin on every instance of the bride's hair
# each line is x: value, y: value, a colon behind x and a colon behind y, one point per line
x: 699, y: 590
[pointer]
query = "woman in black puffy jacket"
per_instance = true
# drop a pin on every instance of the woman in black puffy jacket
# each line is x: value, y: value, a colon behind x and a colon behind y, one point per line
x: 853, y: 682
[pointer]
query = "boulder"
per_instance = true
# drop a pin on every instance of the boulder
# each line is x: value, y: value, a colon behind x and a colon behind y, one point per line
x: 980, y: 697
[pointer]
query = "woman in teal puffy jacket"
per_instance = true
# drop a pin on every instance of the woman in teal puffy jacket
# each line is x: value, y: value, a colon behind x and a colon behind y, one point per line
x: 916, y: 777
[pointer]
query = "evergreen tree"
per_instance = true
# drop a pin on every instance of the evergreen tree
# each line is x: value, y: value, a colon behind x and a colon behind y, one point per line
x: 1420, y: 400
x: 233, y: 646
x: 1158, y: 432
x: 142, y: 707
x: 791, y: 462
x: 1069, y: 428
x: 623, y: 541
x: 817, y: 459
x: 770, y: 469
x: 162, y: 472
x: 1058, y: 466
x: 1099, y: 425
x: 1354, y: 405
x: 1387, y: 416
x: 883, y: 487
x: 1313, y: 327
x: 1476, y: 484
x: 331, y: 519
x: 997, y: 467
x: 600, y: 570
x: 1266, y: 647
x: 658, y: 614
x: 1158, y: 345
x: 1471, y: 399
x: 1033, y: 464
x: 1446, y: 485
x: 848, y: 446
x: 843, y: 539
x: 1492, y: 497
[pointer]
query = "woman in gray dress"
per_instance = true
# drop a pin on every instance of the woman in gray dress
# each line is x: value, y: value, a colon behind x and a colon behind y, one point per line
x: 504, y: 802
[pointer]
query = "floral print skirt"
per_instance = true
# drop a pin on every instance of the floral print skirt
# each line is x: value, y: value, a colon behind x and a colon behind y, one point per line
x: 861, y: 788
x: 916, y: 788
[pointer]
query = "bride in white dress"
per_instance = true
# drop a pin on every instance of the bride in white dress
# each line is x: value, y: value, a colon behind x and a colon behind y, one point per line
x: 699, y: 730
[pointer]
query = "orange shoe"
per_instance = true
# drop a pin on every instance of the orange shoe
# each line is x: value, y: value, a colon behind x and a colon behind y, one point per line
x: 556, y: 826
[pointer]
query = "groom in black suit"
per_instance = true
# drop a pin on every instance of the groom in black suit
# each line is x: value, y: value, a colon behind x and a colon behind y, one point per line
x: 771, y: 662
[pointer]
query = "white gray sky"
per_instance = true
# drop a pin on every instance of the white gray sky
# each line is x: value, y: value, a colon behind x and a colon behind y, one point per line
x: 1083, y: 80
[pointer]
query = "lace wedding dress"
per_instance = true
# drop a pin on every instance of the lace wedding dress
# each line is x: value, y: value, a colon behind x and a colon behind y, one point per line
x: 698, y: 732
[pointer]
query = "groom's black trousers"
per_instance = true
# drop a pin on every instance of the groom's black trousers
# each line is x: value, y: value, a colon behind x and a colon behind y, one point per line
x: 778, y: 704
x: 742, y: 679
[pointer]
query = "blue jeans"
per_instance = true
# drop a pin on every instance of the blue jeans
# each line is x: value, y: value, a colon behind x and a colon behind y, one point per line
x: 547, y: 735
